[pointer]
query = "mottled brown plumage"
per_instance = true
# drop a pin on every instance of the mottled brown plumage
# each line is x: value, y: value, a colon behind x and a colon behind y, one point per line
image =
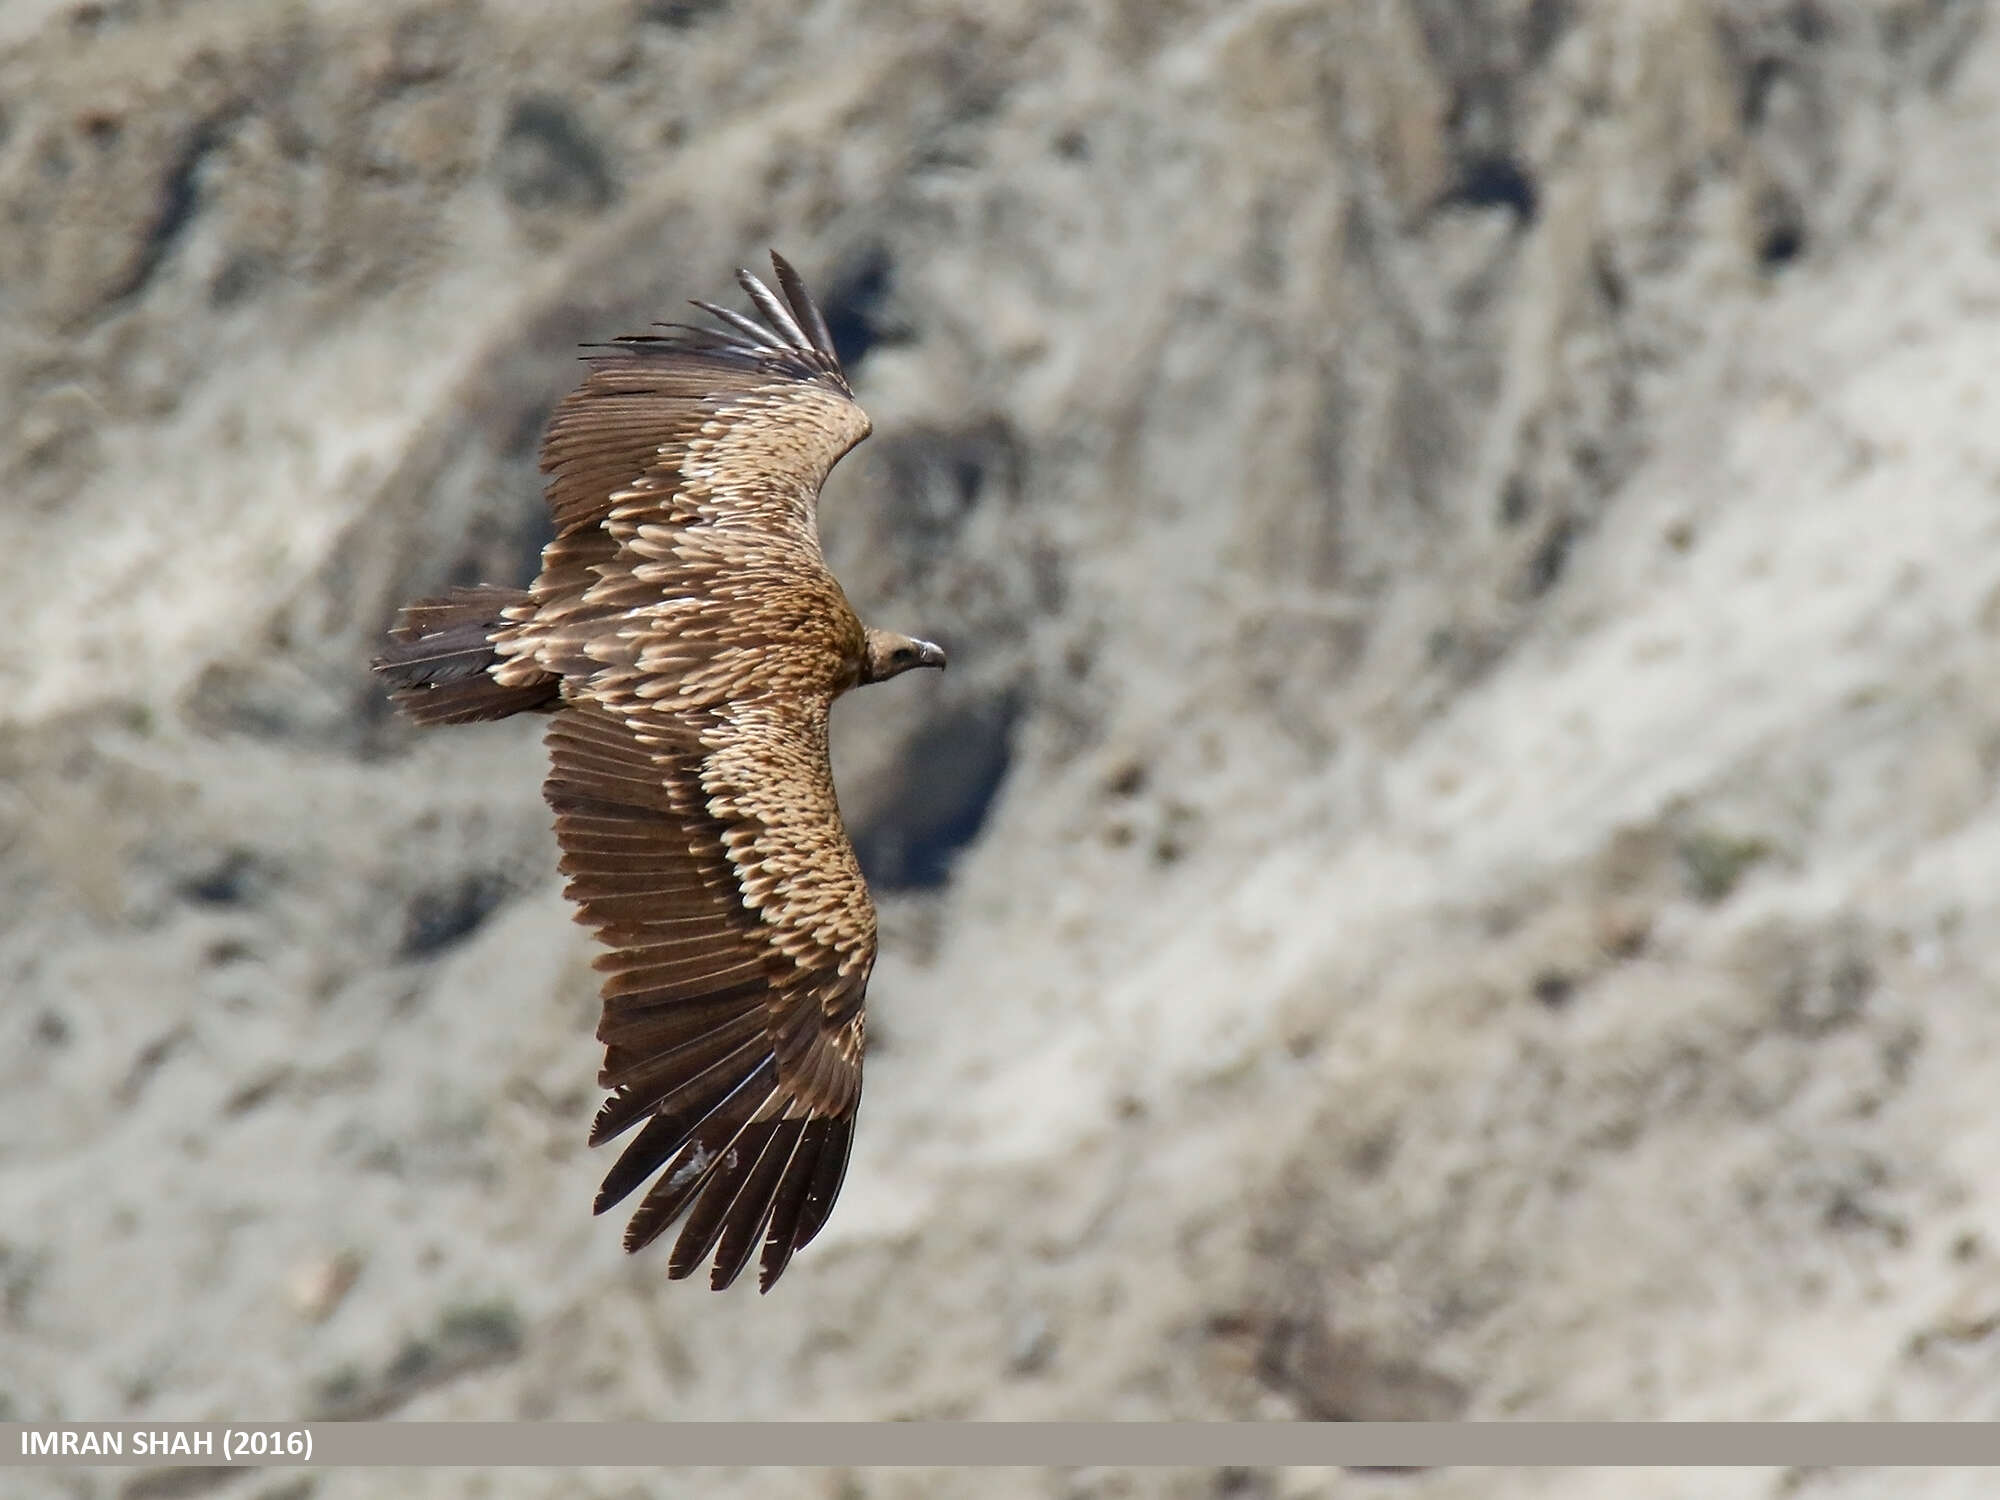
x: 689, y: 641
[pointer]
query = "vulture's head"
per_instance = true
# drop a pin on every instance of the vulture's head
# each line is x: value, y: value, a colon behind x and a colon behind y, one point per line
x: 889, y: 655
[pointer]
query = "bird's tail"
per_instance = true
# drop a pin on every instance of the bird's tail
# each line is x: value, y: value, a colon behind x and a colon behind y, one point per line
x: 439, y: 653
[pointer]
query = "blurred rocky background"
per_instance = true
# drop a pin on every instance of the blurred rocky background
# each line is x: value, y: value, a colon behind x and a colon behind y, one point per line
x: 1455, y: 869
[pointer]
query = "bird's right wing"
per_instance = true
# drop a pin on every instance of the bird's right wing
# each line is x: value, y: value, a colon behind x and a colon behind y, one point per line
x: 715, y: 867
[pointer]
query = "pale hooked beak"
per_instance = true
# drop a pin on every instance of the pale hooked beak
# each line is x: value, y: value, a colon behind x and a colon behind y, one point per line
x: 929, y: 655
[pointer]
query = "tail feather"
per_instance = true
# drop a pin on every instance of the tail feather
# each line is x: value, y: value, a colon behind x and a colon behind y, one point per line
x: 438, y: 656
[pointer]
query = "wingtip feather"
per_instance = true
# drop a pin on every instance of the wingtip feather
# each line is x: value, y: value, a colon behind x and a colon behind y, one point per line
x: 768, y: 304
x: 807, y: 310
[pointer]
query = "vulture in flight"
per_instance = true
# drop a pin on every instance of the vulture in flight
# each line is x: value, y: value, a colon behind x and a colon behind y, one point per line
x: 687, y: 641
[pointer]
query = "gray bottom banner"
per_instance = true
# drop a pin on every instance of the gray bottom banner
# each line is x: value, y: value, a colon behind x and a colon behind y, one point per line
x: 978, y: 1444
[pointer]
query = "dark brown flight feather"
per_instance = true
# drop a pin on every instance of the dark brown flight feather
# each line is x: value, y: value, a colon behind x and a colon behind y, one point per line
x: 688, y: 641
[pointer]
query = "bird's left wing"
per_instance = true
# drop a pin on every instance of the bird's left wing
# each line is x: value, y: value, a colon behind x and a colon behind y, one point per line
x: 678, y: 452
x: 740, y: 418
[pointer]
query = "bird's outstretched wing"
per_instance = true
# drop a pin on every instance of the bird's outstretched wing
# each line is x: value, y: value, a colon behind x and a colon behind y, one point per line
x: 716, y: 869
x: 716, y: 441
x: 765, y: 406
x: 700, y: 641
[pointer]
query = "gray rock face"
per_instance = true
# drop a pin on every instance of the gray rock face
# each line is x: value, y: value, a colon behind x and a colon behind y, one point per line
x: 1452, y: 873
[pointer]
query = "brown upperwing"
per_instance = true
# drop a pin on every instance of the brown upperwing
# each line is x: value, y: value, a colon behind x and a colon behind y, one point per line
x: 701, y: 641
x: 735, y: 1038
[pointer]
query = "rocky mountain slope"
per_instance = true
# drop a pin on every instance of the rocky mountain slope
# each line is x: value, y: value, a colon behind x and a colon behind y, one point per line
x: 1452, y: 872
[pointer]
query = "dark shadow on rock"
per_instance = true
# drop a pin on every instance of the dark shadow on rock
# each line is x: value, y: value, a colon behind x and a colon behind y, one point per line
x: 236, y: 878
x: 547, y: 159
x: 855, y: 306
x: 946, y: 777
x: 679, y: 15
x: 1495, y: 182
x: 179, y: 199
x: 438, y: 918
